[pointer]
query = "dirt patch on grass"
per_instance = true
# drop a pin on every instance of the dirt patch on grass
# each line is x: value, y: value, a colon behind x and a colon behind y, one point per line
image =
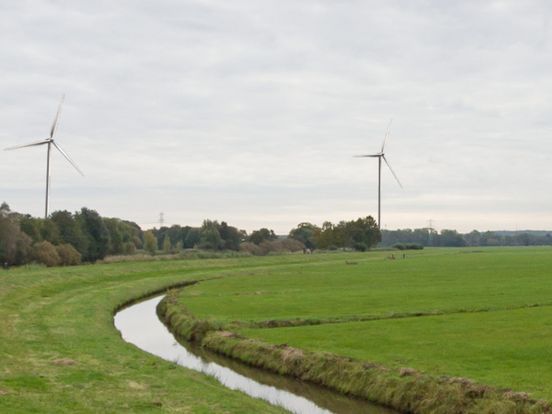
x: 289, y: 353
x: 516, y: 396
x: 407, y: 372
x: 64, y: 362
x: 3, y: 392
x: 137, y: 386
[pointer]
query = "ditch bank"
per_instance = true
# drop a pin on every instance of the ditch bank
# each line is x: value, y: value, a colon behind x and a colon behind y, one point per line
x: 405, y: 390
x: 139, y: 325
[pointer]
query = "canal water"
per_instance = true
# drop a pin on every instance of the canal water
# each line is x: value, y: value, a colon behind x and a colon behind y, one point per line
x: 140, y: 326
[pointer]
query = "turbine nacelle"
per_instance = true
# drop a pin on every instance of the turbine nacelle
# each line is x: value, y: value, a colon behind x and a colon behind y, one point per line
x: 381, y: 154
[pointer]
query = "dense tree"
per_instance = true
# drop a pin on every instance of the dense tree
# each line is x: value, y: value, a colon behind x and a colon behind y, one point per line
x: 160, y: 236
x: 31, y: 227
x: 306, y: 233
x: 231, y: 236
x: 166, y: 244
x: 362, y: 233
x: 96, y: 233
x: 451, y: 238
x: 70, y: 230
x: 150, y: 242
x: 131, y: 233
x: 192, y: 238
x: 261, y: 235
x: 15, y: 245
x: 49, y: 231
x: 175, y: 234
x: 209, y: 236
x: 327, y: 238
x: 113, y: 226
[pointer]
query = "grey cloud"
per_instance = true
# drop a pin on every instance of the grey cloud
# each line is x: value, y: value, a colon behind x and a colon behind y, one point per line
x: 251, y: 111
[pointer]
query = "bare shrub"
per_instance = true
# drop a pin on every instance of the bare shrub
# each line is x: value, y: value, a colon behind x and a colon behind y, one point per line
x: 63, y: 362
x: 250, y: 248
x: 129, y: 248
x: 46, y: 253
x: 292, y: 245
x: 68, y: 255
x: 407, y: 372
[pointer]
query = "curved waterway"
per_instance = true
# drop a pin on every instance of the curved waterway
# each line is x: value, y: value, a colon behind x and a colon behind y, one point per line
x: 139, y: 325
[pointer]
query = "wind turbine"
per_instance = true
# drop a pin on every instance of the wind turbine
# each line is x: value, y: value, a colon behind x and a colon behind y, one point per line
x: 49, y: 142
x: 381, y: 155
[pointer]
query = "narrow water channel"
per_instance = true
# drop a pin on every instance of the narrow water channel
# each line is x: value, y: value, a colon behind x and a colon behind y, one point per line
x: 139, y: 325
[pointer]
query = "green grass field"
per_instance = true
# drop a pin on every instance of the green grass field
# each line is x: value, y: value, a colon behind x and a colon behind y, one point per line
x: 492, y: 323
x: 492, y: 306
x: 52, y: 317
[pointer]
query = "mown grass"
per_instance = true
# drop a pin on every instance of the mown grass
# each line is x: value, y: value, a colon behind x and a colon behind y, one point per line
x: 49, y: 317
x: 438, y: 280
x: 492, y: 305
x: 507, y: 349
x: 60, y: 352
x: 406, y: 390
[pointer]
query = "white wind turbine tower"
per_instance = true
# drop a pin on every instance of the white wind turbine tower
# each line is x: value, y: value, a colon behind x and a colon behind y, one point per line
x: 381, y: 155
x: 49, y: 142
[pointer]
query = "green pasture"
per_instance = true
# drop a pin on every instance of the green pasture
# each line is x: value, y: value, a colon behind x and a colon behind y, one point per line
x: 492, y: 315
x: 59, y: 350
x: 507, y: 349
x: 372, y: 285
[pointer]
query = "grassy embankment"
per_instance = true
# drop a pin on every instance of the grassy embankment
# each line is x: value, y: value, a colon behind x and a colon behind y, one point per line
x: 60, y: 352
x: 491, y: 312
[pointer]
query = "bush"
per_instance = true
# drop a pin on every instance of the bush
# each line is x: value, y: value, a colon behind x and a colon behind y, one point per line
x: 250, y: 248
x: 68, y: 255
x: 408, y: 246
x: 129, y: 248
x: 46, y: 253
x: 360, y: 247
x: 292, y: 245
x: 272, y: 246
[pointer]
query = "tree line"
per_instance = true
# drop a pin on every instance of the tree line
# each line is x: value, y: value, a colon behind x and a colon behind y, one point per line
x: 360, y: 234
x: 452, y: 238
x: 66, y: 238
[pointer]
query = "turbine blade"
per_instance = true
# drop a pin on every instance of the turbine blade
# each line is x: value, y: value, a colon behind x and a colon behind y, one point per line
x: 367, y: 155
x: 54, y: 125
x: 392, y: 172
x: 386, y: 135
x: 33, y: 144
x: 68, y: 159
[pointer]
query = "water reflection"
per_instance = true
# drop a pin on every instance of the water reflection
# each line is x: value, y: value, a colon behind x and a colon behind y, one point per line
x: 140, y: 326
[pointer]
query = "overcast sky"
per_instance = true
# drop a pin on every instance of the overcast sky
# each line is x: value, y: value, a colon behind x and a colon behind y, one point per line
x: 250, y: 111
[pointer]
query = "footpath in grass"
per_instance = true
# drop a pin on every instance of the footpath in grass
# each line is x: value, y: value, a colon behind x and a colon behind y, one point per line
x: 494, y: 304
